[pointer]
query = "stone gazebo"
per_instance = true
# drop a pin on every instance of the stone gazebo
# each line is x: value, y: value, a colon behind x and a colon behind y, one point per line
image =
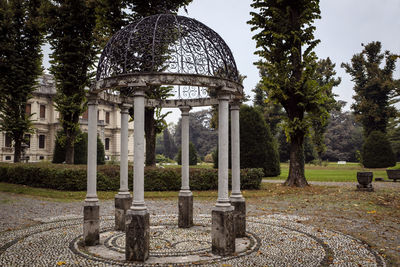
x: 198, y: 66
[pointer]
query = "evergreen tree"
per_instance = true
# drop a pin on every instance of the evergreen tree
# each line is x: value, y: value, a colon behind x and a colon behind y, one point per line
x: 285, y: 43
x: 80, y: 156
x: 377, y: 152
x: 21, y: 37
x: 325, y: 76
x: 192, y: 155
x: 374, y: 86
x: 257, y: 147
x: 71, y: 36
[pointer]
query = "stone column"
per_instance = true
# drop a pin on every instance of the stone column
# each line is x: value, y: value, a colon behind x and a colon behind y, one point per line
x: 237, y: 200
x: 185, y: 205
x: 91, y: 223
x: 137, y: 219
x: 223, y: 232
x: 123, y: 199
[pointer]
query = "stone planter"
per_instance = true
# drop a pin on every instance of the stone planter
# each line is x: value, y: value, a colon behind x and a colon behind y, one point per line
x: 364, y: 181
x: 393, y: 174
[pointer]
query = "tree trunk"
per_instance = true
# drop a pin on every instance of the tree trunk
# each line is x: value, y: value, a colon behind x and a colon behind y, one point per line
x: 69, y: 148
x: 17, y: 150
x: 150, y: 133
x: 296, y: 169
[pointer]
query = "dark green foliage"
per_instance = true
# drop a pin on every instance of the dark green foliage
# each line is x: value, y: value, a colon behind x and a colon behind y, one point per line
x: 80, y: 150
x: 257, y: 147
x: 374, y: 86
x: 201, y: 134
x: 21, y: 37
x: 170, y: 148
x: 71, y: 37
x: 192, y: 155
x: 73, y: 177
x: 377, y: 152
x: 285, y: 43
x: 343, y: 136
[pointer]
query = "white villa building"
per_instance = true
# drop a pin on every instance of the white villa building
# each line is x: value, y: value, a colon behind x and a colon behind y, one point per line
x: 46, y: 124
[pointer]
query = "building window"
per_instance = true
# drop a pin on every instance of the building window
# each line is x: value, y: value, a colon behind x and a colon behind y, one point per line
x: 107, y: 117
x: 85, y: 115
x: 107, y: 145
x: 41, y: 157
x: 8, y: 157
x: 42, y: 111
x: 8, y: 140
x: 28, y: 109
x: 28, y: 140
x: 42, y: 139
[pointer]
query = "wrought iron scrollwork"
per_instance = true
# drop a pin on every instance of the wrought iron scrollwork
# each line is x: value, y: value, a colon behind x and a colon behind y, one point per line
x: 167, y: 43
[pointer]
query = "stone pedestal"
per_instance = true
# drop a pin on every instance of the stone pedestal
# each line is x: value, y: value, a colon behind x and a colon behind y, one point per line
x: 122, y: 205
x: 137, y: 228
x: 366, y: 188
x: 223, y: 231
x: 185, y: 218
x: 91, y: 224
x: 239, y: 214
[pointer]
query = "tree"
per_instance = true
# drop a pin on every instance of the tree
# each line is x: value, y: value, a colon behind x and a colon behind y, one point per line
x: 80, y: 156
x: 325, y: 76
x: 192, y: 155
x: 377, y: 152
x: 257, y: 146
x: 21, y: 37
x: 285, y: 43
x: 170, y: 148
x: 204, y: 138
x: 71, y: 36
x: 374, y: 86
x: 343, y: 136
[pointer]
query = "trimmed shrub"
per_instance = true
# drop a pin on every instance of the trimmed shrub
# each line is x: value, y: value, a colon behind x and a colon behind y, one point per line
x: 80, y: 149
x: 377, y: 151
x: 73, y: 177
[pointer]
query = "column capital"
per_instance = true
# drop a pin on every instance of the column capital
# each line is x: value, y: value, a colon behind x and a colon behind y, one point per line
x: 139, y: 91
x: 224, y: 95
x: 124, y: 107
x: 235, y: 105
x: 185, y: 110
x: 93, y: 99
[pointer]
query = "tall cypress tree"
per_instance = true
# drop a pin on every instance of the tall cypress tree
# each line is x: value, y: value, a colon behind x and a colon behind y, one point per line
x: 71, y: 36
x: 285, y: 42
x: 374, y: 86
x: 21, y: 37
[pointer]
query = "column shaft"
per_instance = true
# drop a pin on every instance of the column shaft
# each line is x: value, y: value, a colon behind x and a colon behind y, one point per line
x: 138, y: 156
x: 223, y: 151
x: 92, y: 152
x: 235, y: 148
x: 124, y: 151
x: 185, y: 190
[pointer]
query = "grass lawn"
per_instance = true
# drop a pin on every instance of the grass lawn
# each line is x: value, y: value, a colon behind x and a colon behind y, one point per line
x: 332, y: 173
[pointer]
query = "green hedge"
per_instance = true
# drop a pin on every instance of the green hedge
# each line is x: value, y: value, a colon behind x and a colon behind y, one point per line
x: 73, y: 177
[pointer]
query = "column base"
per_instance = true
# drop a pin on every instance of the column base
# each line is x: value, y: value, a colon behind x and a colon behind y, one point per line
x: 91, y: 224
x: 239, y: 216
x: 185, y: 205
x: 365, y: 188
x: 223, y: 232
x: 137, y: 227
x: 122, y: 204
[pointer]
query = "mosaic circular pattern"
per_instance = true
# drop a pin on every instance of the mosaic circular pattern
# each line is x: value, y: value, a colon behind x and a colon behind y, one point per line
x: 274, y: 240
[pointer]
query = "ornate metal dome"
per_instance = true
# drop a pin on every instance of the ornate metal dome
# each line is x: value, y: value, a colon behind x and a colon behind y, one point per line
x: 167, y: 43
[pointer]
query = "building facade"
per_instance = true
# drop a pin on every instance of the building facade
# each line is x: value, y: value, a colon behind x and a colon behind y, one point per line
x: 45, y: 118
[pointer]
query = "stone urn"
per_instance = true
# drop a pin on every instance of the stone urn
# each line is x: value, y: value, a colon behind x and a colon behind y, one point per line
x: 364, y: 181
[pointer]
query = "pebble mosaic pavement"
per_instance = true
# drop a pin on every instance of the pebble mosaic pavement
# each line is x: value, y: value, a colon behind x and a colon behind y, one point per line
x: 272, y: 240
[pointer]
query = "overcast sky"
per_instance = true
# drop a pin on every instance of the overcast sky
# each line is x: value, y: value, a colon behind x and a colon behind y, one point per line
x: 344, y: 25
